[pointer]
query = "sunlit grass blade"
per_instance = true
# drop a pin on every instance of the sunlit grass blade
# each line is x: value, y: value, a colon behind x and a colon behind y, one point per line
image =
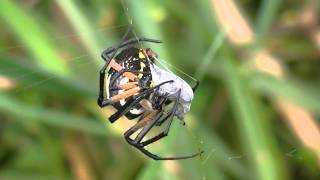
x: 27, y: 112
x: 32, y: 35
x: 205, y: 63
x: 300, y: 92
x: 266, y: 14
x: 146, y: 19
x: 85, y: 29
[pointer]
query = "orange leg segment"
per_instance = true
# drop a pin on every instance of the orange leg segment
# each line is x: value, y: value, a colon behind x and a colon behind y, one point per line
x: 118, y: 68
x: 125, y: 94
x: 127, y: 86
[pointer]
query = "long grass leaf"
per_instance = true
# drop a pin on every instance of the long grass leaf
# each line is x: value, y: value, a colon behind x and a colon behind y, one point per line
x: 27, y: 112
x: 31, y: 34
x: 28, y: 77
x: 302, y: 93
x: 266, y: 14
x: 84, y: 28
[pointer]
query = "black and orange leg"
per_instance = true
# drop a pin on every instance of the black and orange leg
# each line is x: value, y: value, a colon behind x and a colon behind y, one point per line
x: 169, y: 117
x: 137, y: 98
x: 195, y: 87
x: 131, y: 41
x: 146, y: 128
x: 101, y: 100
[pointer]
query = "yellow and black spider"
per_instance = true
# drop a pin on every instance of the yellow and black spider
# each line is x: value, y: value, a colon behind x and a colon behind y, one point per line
x: 138, y: 88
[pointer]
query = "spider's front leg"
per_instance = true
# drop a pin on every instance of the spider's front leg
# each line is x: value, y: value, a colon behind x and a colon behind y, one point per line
x: 131, y: 41
x: 101, y: 99
x: 131, y: 87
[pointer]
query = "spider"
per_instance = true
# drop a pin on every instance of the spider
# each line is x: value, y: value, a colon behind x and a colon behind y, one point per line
x: 137, y: 88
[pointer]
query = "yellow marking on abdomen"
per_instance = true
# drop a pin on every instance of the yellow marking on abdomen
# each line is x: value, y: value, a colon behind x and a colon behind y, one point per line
x: 141, y: 56
x: 142, y: 65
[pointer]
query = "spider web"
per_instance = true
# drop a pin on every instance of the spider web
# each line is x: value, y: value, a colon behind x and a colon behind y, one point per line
x: 194, y: 139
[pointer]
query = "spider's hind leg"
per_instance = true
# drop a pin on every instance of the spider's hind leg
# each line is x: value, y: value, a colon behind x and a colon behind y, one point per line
x: 147, y: 125
x: 140, y: 146
x: 195, y: 87
x: 170, y: 117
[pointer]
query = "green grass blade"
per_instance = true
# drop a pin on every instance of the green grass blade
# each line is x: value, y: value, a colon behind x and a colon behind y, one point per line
x: 85, y: 29
x: 266, y: 14
x: 141, y: 12
x: 256, y: 136
x: 31, y: 34
x: 28, y: 77
x: 217, y: 155
x: 205, y: 63
x: 302, y: 93
x: 27, y: 112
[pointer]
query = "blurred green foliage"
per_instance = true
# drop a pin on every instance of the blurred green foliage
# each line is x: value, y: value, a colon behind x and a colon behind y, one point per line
x: 51, y: 127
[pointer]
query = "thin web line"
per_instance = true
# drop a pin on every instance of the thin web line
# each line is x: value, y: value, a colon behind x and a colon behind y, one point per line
x: 76, y: 59
x: 65, y: 36
x: 163, y: 63
x: 71, y: 60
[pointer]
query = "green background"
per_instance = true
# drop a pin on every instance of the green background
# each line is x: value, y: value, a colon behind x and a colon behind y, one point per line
x: 52, y: 128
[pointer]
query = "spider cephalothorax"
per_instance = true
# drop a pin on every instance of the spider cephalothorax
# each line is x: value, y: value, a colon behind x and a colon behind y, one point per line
x: 138, y: 88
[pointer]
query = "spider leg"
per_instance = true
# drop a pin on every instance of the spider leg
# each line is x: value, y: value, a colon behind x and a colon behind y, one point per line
x: 134, y: 40
x: 149, y: 117
x: 129, y: 105
x: 169, y: 117
x: 162, y: 134
x: 155, y: 157
x: 123, y: 71
x: 106, y: 57
x: 101, y: 101
x: 126, y: 86
x: 162, y: 104
x: 195, y: 87
x: 146, y: 129
x: 137, y: 141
